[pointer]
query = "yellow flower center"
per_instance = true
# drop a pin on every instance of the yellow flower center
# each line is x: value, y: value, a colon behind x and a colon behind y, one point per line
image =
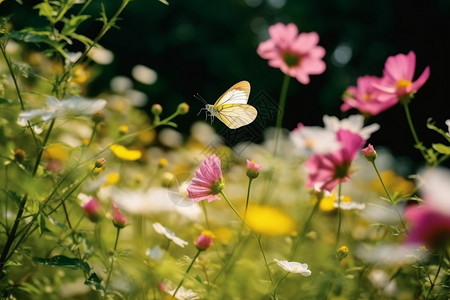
x: 403, y: 84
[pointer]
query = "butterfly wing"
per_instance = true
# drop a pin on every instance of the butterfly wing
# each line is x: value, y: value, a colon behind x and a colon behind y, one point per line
x: 236, y: 115
x: 232, y: 108
x: 237, y: 94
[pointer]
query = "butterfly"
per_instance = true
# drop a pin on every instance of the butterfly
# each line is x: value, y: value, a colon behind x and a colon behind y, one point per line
x: 232, y: 108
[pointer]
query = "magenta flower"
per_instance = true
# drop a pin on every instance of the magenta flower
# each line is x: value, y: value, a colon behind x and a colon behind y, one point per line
x: 204, y: 240
x: 327, y: 170
x: 398, y: 76
x: 296, y: 55
x: 366, y: 98
x: 208, y: 181
x: 92, y: 209
x: 430, y: 221
x: 119, y: 219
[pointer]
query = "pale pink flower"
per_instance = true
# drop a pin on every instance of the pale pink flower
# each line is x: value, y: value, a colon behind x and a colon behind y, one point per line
x: 296, y: 55
x: 369, y: 153
x: 208, y: 181
x: 119, y: 219
x: 366, y: 98
x: 252, y: 169
x: 91, y: 207
x: 398, y: 76
x: 309, y: 140
x: 328, y: 170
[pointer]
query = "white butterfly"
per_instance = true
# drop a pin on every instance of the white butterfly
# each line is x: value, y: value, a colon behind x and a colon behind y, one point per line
x: 232, y: 108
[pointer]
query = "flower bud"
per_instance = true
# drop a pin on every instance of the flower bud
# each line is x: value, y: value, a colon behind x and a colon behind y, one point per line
x: 162, y: 163
x: 123, y: 129
x: 156, y: 109
x: 20, y: 155
x: 98, y: 117
x: 369, y: 153
x: 119, y: 220
x: 252, y: 169
x: 204, y: 241
x: 92, y: 209
x: 183, y: 108
x: 100, y: 163
x: 342, y: 253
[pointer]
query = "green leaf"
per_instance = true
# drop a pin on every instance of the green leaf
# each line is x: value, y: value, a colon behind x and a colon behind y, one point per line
x: 441, y: 148
x: 46, y: 10
x: 64, y: 262
x: 71, y: 26
x: 13, y: 195
x: 3, y: 101
x: 94, y: 282
x: 29, y: 35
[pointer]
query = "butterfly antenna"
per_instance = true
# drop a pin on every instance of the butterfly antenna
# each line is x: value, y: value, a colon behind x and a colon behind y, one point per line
x: 198, y: 97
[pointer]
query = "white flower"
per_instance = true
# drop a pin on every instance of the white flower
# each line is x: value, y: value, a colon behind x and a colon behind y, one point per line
x: 182, y: 293
x: 350, y: 205
x: 294, y: 267
x: 72, y: 106
x: 354, y: 123
x: 448, y: 125
x: 155, y: 253
x: 314, y: 140
x: 169, y: 235
x: 436, y: 189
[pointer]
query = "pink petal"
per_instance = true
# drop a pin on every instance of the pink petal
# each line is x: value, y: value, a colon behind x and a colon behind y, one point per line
x: 421, y: 80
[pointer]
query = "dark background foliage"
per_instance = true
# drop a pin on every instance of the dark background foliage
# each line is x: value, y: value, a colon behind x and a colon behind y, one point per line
x: 206, y: 46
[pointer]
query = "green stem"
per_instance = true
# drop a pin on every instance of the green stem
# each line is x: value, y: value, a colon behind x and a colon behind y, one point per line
x: 418, y: 143
x: 248, y: 196
x: 338, y: 234
x: 275, y: 291
x: 205, y: 213
x: 185, y: 274
x: 302, y: 235
x: 12, y: 235
x: 257, y: 237
x: 113, y: 258
x: 433, y: 282
x: 280, y: 114
x: 388, y: 195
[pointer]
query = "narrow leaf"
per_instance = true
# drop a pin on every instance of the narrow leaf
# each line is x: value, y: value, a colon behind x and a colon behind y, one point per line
x: 94, y: 282
x: 64, y: 262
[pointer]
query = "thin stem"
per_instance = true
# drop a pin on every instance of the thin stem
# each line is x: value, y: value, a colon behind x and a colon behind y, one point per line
x: 234, y: 209
x: 281, y: 107
x: 388, y: 195
x: 205, y: 213
x: 185, y: 274
x: 250, y: 180
x: 418, y: 143
x: 433, y: 282
x: 258, y: 237
x: 113, y: 258
x: 302, y: 235
x: 338, y: 234
x: 275, y: 291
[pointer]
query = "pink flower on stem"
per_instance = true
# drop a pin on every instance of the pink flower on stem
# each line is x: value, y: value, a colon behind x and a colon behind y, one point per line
x: 366, y: 98
x: 296, y: 55
x: 252, y: 169
x: 92, y: 209
x: 204, y: 240
x: 430, y: 221
x: 328, y: 170
x: 398, y: 76
x: 208, y: 181
x: 119, y: 219
x: 369, y: 153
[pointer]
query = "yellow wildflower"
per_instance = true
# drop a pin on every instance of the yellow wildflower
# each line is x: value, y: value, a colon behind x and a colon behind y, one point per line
x: 125, y: 154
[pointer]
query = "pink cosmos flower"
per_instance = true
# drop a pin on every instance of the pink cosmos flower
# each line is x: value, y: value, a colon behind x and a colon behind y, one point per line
x: 430, y: 221
x: 204, y: 240
x: 366, y: 98
x: 398, y: 76
x: 92, y: 209
x: 119, y: 219
x: 296, y: 55
x: 369, y: 153
x: 208, y: 181
x: 327, y: 170
x: 252, y: 169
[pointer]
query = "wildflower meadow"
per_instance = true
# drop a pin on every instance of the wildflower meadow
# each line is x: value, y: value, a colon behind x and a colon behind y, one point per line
x: 106, y: 193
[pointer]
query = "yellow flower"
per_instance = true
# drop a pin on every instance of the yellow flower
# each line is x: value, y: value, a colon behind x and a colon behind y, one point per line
x: 112, y: 178
x: 56, y: 152
x: 327, y: 204
x: 394, y: 183
x: 123, y: 153
x: 269, y: 220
